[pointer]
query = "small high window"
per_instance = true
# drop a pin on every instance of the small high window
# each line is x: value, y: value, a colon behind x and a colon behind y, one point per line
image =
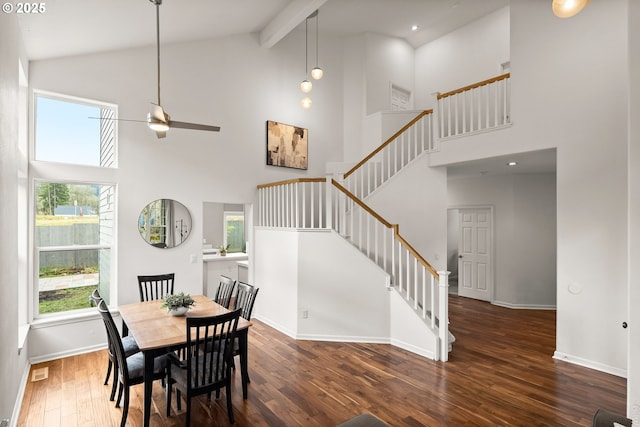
x: 69, y: 131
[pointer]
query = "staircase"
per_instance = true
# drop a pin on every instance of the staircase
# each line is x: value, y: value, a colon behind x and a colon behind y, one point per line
x: 340, y: 204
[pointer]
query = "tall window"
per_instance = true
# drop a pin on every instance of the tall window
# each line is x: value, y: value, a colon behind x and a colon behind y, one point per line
x: 73, y: 241
x: 73, y: 208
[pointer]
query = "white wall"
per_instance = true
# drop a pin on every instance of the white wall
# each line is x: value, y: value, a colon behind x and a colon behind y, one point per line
x: 524, y: 234
x: 416, y: 199
x: 276, y: 274
x: 470, y: 54
x: 633, y: 375
x: 12, y: 364
x: 341, y: 289
x: 388, y: 60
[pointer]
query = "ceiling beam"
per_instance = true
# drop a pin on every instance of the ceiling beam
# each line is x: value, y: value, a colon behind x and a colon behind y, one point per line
x: 288, y: 19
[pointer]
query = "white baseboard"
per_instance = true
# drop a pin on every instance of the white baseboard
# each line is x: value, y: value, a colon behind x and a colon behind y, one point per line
x: 524, y: 306
x: 590, y: 364
x: 17, y: 407
x: 60, y: 355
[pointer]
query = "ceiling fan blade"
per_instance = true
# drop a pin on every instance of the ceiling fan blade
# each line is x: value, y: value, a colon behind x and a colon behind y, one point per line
x: 194, y: 126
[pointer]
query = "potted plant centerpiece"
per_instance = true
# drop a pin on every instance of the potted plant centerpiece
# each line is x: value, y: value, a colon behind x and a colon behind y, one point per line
x: 178, y: 304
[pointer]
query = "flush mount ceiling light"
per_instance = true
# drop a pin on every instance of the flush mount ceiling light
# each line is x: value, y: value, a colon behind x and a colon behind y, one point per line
x: 414, y: 28
x: 512, y: 164
x: 568, y: 8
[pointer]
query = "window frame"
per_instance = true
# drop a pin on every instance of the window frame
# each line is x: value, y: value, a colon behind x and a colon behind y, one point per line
x: 40, y: 171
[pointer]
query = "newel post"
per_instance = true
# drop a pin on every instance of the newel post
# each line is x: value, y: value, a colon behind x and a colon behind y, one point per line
x: 435, y: 124
x: 443, y: 314
x: 329, y: 202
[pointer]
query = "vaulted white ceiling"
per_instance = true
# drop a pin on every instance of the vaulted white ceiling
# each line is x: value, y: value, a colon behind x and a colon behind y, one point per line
x: 72, y: 27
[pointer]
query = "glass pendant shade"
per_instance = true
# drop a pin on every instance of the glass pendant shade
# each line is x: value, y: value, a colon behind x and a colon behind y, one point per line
x: 317, y: 73
x: 568, y: 8
x: 306, y: 102
x: 306, y: 86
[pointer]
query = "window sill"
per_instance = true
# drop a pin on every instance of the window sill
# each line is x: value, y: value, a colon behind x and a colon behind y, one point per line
x: 23, y: 332
x: 68, y: 318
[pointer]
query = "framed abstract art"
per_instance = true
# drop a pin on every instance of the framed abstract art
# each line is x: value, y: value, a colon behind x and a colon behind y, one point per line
x: 286, y: 145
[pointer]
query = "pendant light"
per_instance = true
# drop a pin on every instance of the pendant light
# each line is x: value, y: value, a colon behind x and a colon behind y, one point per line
x: 306, y: 102
x: 316, y: 72
x: 568, y: 8
x: 306, y: 85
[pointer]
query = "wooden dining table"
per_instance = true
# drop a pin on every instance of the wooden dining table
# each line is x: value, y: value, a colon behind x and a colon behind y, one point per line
x: 157, y: 332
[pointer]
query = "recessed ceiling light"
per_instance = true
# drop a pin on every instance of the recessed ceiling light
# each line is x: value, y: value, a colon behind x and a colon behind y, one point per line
x: 512, y: 163
x: 414, y: 28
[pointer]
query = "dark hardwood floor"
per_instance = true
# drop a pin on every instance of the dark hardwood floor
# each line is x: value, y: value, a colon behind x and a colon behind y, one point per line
x: 500, y: 373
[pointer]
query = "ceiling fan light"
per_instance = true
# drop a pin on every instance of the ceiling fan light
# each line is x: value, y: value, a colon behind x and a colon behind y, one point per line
x: 317, y: 73
x: 159, y: 127
x: 306, y: 102
x: 568, y: 8
x: 157, y: 124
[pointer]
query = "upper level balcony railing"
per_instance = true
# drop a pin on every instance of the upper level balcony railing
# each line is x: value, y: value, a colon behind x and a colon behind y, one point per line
x: 474, y: 108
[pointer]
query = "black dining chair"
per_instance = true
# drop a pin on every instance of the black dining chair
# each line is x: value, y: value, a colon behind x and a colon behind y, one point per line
x: 131, y: 370
x: 245, y: 298
x: 128, y: 343
x: 244, y: 301
x: 155, y: 286
x: 225, y: 291
x: 208, y: 362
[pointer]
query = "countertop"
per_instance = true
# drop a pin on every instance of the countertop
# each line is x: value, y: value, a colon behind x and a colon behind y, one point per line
x: 236, y: 256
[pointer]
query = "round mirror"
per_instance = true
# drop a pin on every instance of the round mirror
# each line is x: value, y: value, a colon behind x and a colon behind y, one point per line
x: 164, y: 223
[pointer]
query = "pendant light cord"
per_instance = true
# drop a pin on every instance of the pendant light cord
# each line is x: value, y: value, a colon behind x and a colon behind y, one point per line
x: 306, y: 47
x: 317, y: 17
x: 158, y: 2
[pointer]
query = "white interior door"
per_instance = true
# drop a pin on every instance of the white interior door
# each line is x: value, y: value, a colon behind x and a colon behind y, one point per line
x: 475, y: 273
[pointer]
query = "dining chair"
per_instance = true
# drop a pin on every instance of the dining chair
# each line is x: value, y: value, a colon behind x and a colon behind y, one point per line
x: 131, y: 370
x: 207, y: 368
x: 156, y: 286
x: 245, y: 299
x: 225, y: 291
x: 128, y: 343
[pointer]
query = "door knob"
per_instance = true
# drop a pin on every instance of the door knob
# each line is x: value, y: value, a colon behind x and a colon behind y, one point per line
x: 459, y: 256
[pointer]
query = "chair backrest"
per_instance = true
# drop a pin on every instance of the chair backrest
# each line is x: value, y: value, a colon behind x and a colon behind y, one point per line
x: 225, y: 291
x: 212, y: 368
x: 114, y: 341
x: 245, y: 298
x: 155, y: 287
x: 95, y: 298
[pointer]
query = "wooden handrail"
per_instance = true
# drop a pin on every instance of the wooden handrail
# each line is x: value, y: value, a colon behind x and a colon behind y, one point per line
x: 422, y: 261
x: 387, y: 224
x: 388, y: 141
x: 290, y: 181
x: 474, y: 85
x: 360, y: 203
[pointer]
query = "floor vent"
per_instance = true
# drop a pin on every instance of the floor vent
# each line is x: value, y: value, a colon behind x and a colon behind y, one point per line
x: 40, y: 374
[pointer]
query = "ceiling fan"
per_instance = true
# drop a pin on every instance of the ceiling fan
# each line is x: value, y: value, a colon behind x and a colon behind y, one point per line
x: 157, y: 119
